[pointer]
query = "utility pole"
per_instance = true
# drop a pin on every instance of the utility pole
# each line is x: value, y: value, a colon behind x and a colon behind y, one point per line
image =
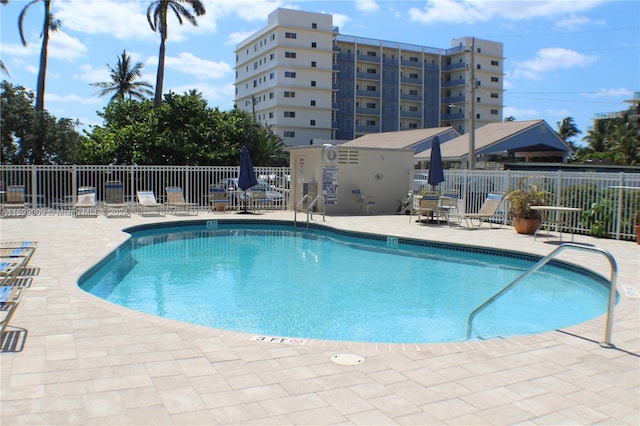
x: 472, y: 130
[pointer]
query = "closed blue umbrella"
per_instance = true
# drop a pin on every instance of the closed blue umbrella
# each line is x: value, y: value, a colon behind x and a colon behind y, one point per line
x: 436, y: 173
x: 246, y: 177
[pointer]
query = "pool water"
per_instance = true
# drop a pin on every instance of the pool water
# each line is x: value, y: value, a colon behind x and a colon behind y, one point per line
x: 321, y: 284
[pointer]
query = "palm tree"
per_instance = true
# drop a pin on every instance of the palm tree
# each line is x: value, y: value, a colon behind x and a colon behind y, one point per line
x: 122, y: 80
x: 567, y: 129
x: 4, y: 68
x: 157, y: 17
x: 50, y: 24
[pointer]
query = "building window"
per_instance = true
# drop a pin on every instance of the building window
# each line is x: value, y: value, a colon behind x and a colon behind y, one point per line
x: 312, y: 123
x: 372, y: 88
x: 314, y: 25
x: 313, y: 83
x: 271, y: 57
x: 494, y: 112
x: 371, y: 71
x: 313, y: 102
x: 413, y: 59
x: 371, y: 53
x: 271, y: 76
x: 494, y: 95
x: 413, y: 125
x: 289, y: 134
x: 314, y: 44
x: 495, y: 79
x: 273, y: 37
x: 290, y: 35
x: 495, y: 63
x: 413, y: 92
x: 271, y: 114
x: 289, y: 94
x: 290, y: 74
x: 413, y: 108
x: 371, y: 105
x: 478, y: 66
x: 313, y: 64
x: 413, y: 75
x: 290, y: 114
x: 270, y: 95
x: 289, y: 54
x: 371, y: 122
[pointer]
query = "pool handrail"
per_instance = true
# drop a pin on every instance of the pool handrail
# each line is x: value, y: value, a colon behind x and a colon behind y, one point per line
x: 612, y: 289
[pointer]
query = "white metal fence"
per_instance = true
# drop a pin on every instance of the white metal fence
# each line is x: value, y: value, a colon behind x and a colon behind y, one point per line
x: 608, y: 201
x: 55, y: 187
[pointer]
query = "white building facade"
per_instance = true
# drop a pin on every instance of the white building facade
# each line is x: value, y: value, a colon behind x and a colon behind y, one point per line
x: 306, y: 81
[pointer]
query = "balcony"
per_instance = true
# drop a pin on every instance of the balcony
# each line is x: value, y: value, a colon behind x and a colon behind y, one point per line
x: 456, y: 66
x: 453, y: 116
x: 368, y: 111
x: 368, y: 76
x: 453, y: 83
x: 368, y: 93
x: 411, y: 97
x: 411, y: 80
x: 453, y: 100
x: 367, y: 58
x: 412, y: 64
x: 410, y: 114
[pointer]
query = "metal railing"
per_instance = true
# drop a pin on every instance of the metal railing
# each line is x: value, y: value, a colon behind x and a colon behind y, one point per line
x: 308, y: 209
x: 55, y: 187
x: 548, y: 258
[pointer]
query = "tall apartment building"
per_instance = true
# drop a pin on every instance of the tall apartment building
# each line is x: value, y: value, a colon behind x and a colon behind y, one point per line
x: 307, y: 81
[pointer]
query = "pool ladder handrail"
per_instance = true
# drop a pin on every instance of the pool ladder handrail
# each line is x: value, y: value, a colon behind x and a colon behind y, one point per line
x: 612, y: 289
x: 309, y: 209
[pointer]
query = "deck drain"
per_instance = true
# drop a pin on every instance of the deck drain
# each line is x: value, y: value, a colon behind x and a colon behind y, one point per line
x: 347, y: 359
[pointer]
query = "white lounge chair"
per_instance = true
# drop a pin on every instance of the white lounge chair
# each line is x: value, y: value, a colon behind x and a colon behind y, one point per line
x: 114, y: 204
x: 87, y: 202
x: 176, y: 201
x: 487, y: 211
x: 147, y: 201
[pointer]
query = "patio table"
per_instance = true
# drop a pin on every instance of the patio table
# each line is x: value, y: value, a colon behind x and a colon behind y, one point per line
x: 557, y: 216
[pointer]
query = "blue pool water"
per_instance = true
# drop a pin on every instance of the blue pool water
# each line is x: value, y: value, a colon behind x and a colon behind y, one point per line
x: 266, y: 279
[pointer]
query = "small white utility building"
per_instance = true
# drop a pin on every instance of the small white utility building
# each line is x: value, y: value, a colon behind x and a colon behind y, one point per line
x: 382, y: 175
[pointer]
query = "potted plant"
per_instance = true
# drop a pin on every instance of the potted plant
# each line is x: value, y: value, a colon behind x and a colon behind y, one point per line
x: 525, y: 220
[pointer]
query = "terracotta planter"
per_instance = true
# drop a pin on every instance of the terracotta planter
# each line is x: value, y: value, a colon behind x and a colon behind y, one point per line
x: 221, y: 207
x: 526, y: 226
x: 638, y: 234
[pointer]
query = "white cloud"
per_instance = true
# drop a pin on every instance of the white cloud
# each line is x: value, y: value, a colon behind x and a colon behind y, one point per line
x: 471, y: 11
x: 367, y: 5
x: 214, y: 94
x: 91, y: 74
x: 340, y: 19
x: 574, y: 22
x: 520, y: 113
x: 71, y: 98
x: 63, y: 46
x: 123, y: 20
x: 548, y: 60
x: 237, y: 37
x: 606, y: 93
x: 190, y: 64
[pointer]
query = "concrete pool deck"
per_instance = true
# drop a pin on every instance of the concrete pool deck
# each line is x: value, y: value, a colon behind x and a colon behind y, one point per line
x: 70, y: 358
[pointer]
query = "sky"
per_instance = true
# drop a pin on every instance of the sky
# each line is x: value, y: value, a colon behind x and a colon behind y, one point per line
x: 562, y: 58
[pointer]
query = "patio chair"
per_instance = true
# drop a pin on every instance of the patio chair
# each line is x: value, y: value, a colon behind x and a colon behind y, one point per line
x: 449, y: 203
x: 14, y: 204
x: 10, y: 297
x: 429, y: 207
x: 487, y: 211
x: 218, y: 199
x: 114, y: 203
x: 176, y: 201
x: 147, y: 201
x: 87, y: 203
x: 259, y: 200
x: 365, y: 202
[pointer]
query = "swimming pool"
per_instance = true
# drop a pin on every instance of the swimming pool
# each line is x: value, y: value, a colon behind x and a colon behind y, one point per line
x: 267, y: 278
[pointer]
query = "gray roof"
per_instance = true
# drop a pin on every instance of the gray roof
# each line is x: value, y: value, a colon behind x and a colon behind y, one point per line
x: 495, y: 138
x: 401, y: 139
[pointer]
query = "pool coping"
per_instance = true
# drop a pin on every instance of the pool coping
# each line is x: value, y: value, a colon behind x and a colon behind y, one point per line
x: 69, y: 283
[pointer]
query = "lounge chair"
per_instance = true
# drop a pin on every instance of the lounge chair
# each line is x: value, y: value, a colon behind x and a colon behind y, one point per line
x: 218, y: 199
x: 488, y: 210
x: 87, y: 203
x: 365, y: 202
x: 15, y: 204
x: 114, y: 204
x: 147, y: 201
x: 10, y: 297
x: 176, y: 201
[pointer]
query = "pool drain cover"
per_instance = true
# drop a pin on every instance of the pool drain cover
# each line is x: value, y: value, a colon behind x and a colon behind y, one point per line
x: 347, y: 359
